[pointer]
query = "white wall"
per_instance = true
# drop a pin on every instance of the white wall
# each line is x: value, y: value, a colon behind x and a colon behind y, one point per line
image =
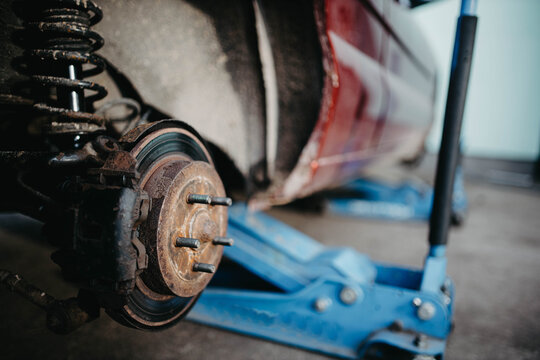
x: 502, y: 115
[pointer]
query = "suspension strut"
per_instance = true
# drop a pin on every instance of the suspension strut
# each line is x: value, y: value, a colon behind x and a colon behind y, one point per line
x: 59, y: 51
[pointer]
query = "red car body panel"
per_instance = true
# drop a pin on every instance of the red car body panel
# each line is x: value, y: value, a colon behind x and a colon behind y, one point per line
x: 377, y: 102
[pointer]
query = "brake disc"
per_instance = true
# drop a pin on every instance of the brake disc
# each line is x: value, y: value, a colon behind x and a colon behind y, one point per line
x: 185, y: 228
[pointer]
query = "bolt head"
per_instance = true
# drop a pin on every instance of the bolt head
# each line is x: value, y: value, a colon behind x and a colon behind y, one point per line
x: 426, y: 311
x: 423, y: 357
x: 417, y: 301
x: 322, y: 304
x: 447, y: 300
x: 348, y: 295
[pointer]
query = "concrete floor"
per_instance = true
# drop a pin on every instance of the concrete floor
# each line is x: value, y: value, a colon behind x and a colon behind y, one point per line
x: 494, y: 260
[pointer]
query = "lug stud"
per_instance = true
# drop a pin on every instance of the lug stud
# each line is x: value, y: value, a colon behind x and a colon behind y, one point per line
x: 225, y: 241
x: 202, y: 267
x: 210, y: 200
x: 188, y: 242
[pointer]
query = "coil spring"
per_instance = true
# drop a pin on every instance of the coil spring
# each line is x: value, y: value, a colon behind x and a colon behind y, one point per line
x: 58, y: 43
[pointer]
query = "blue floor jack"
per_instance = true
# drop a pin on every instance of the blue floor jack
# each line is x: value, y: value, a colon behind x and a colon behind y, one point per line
x: 408, y: 201
x: 276, y: 283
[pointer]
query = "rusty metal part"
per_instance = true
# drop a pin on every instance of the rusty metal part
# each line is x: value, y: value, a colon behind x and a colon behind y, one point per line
x: 86, y: 155
x: 105, y: 144
x: 173, y: 162
x: 146, y: 133
x: 63, y: 127
x: 133, y: 136
x: 169, y: 184
x: 14, y: 100
x: 208, y: 199
x: 118, y: 163
x: 72, y: 121
x: 188, y: 242
x: 141, y: 211
x: 63, y: 316
x: 15, y: 283
x: 224, y: 241
x: 142, y: 208
x: 139, y: 137
x: 169, y: 310
x: 106, y: 252
x: 206, y: 268
x: 59, y: 45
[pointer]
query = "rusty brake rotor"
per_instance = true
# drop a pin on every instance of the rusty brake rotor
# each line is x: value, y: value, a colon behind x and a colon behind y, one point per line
x: 186, y: 226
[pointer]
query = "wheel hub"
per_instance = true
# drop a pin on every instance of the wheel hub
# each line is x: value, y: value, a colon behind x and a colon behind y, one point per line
x: 177, y: 219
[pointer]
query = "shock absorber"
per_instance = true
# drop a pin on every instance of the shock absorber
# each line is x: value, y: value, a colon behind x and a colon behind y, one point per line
x: 59, y: 53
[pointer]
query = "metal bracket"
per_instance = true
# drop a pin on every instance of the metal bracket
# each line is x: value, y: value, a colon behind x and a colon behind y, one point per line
x: 63, y: 316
